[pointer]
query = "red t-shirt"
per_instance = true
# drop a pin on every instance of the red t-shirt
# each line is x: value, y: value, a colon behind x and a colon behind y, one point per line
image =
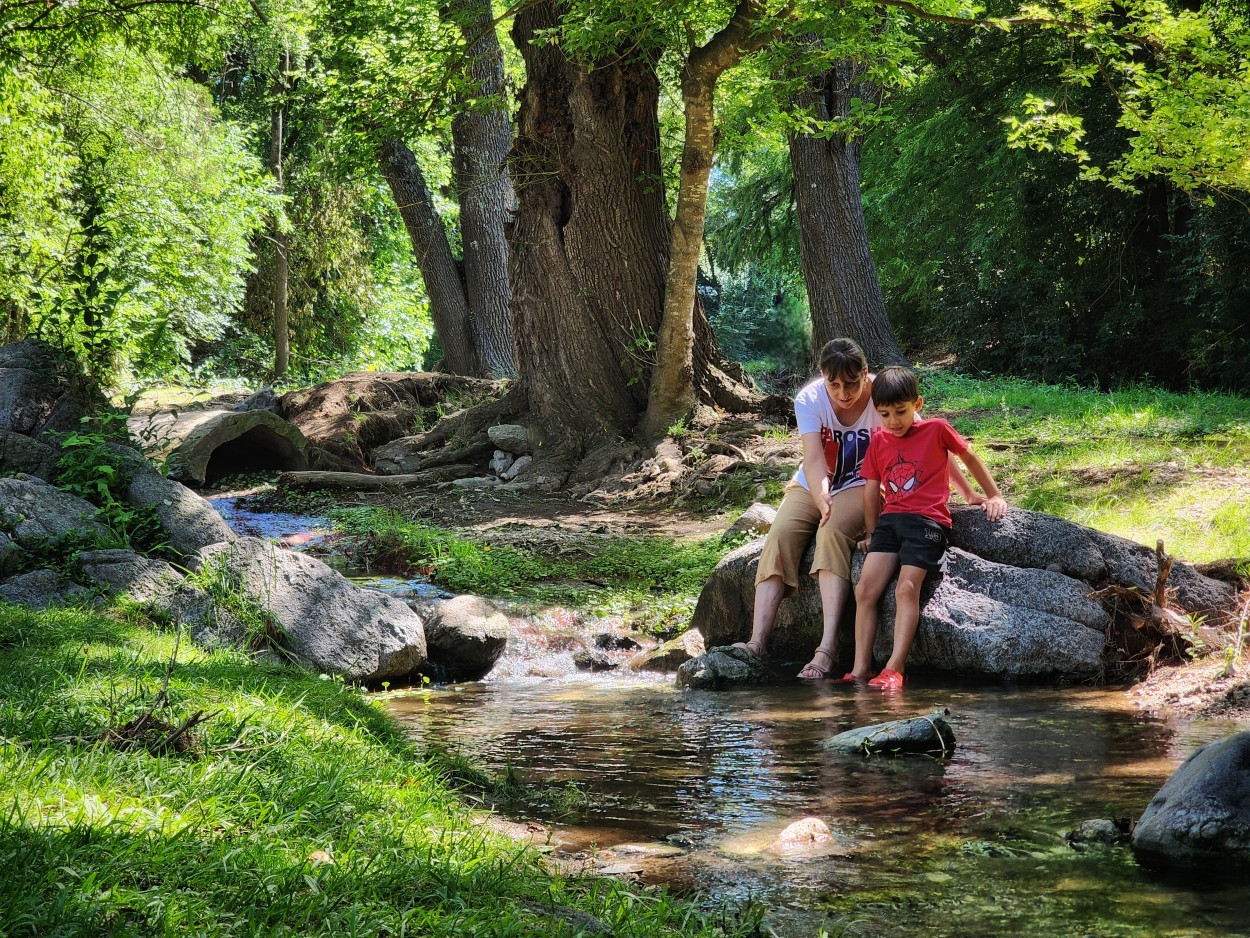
x: 913, y: 467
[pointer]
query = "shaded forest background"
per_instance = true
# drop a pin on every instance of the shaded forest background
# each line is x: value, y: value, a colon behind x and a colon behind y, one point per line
x: 292, y: 191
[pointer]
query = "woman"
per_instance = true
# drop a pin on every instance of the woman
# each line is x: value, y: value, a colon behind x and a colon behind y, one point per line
x: 835, y: 419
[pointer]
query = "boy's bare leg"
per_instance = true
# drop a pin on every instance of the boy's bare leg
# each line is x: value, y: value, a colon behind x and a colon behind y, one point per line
x: 833, y: 592
x: 906, y: 616
x: 873, y: 579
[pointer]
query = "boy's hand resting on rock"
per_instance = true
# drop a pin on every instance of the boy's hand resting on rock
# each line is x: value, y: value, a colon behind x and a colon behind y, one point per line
x: 994, y: 508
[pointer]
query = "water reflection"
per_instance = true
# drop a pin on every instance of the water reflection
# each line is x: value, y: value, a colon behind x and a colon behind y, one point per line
x: 972, y: 845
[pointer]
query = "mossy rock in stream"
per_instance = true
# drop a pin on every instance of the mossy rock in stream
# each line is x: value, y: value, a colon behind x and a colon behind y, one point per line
x: 926, y: 735
x: 723, y: 667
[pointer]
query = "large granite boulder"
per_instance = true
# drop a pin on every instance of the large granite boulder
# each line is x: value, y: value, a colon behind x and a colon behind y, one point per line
x: 201, y: 446
x: 465, y: 636
x: 325, y: 621
x: 43, y: 589
x: 189, y: 520
x: 34, y: 512
x: 1014, y: 600
x: 159, y: 585
x: 23, y: 454
x: 41, y: 390
x: 1037, y: 540
x: 1201, y: 816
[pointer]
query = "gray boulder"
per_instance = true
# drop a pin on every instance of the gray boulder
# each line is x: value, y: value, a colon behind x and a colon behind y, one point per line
x: 669, y: 656
x: 33, y: 511
x: 722, y: 668
x: 189, y: 520
x: 989, y: 619
x: 465, y: 636
x: 326, y: 622
x: 756, y: 520
x: 40, y: 390
x: 43, y: 589
x: 1037, y: 540
x: 511, y: 438
x: 1201, y: 816
x: 22, y: 454
x: 928, y: 735
x: 157, y: 584
x: 124, y: 572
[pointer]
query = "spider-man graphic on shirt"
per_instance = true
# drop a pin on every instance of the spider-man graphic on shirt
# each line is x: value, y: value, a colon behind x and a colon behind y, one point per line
x: 912, y: 468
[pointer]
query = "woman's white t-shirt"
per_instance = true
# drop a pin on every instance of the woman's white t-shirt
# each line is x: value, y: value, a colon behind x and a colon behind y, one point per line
x: 844, y: 444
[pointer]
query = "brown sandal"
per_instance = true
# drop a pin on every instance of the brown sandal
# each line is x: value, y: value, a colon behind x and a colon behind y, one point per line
x: 817, y: 673
x: 753, y: 647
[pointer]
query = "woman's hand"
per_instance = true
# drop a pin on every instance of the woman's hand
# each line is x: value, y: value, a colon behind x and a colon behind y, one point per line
x: 864, y: 542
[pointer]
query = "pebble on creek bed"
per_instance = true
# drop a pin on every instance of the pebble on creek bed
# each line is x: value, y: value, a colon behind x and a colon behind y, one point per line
x: 924, y: 735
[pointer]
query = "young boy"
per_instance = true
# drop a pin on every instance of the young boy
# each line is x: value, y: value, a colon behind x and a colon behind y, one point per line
x: 907, y: 459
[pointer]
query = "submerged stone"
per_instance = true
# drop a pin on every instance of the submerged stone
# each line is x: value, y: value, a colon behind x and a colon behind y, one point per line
x: 721, y: 668
x: 927, y: 735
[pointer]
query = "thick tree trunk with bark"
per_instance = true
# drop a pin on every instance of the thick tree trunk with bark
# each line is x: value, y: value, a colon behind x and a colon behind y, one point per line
x: 843, y: 290
x: 482, y: 136
x: 449, y: 306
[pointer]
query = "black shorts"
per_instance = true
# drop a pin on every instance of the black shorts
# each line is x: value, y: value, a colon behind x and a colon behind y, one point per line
x: 918, y: 541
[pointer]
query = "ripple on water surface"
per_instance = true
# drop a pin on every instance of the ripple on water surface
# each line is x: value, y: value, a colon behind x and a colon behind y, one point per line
x: 972, y: 845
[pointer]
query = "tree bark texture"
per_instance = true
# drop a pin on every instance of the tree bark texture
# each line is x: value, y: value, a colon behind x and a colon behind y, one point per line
x: 672, y: 393
x: 589, y: 247
x: 843, y: 290
x: 449, y: 307
x: 280, y: 287
x: 481, y: 138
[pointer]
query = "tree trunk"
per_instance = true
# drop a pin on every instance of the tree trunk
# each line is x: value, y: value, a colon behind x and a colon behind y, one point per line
x: 481, y: 137
x: 588, y: 252
x: 672, y: 395
x: 842, y: 286
x: 449, y: 305
x: 280, y: 286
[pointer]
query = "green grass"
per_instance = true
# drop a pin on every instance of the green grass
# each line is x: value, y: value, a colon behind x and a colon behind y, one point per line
x: 1139, y: 462
x: 654, y: 579
x: 101, y: 840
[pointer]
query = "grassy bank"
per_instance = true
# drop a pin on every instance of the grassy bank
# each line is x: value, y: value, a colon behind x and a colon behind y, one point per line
x: 1139, y: 462
x: 297, y: 808
x: 650, y: 580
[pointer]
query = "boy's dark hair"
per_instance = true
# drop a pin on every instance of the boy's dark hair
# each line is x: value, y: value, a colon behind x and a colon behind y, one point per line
x: 894, y: 385
x: 842, y: 358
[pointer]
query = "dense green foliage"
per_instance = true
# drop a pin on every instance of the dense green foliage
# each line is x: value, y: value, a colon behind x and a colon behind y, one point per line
x: 297, y: 808
x: 1021, y: 266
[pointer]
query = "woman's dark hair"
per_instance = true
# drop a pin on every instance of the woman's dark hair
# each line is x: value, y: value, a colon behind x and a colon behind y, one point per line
x: 894, y: 385
x: 842, y: 358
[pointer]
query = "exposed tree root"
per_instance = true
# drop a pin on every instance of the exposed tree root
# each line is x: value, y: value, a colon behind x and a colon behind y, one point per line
x: 364, y: 482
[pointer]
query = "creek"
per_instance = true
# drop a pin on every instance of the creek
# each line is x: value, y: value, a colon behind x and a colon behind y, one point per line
x: 689, y: 789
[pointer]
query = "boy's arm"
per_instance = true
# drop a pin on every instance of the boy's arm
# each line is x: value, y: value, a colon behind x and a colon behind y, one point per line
x: 955, y: 473
x: 816, y: 471
x: 994, y: 505
x: 872, y: 510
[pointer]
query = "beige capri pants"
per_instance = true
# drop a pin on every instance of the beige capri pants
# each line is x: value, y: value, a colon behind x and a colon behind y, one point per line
x: 797, y: 520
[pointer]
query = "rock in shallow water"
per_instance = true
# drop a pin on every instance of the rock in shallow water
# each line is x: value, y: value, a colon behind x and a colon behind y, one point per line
x: 928, y: 735
x: 1200, y: 819
x: 721, y: 668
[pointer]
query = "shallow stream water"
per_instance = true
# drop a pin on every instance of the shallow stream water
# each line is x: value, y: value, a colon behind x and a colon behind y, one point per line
x: 689, y: 789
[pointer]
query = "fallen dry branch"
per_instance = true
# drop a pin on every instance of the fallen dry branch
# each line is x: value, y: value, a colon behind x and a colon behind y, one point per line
x: 364, y: 482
